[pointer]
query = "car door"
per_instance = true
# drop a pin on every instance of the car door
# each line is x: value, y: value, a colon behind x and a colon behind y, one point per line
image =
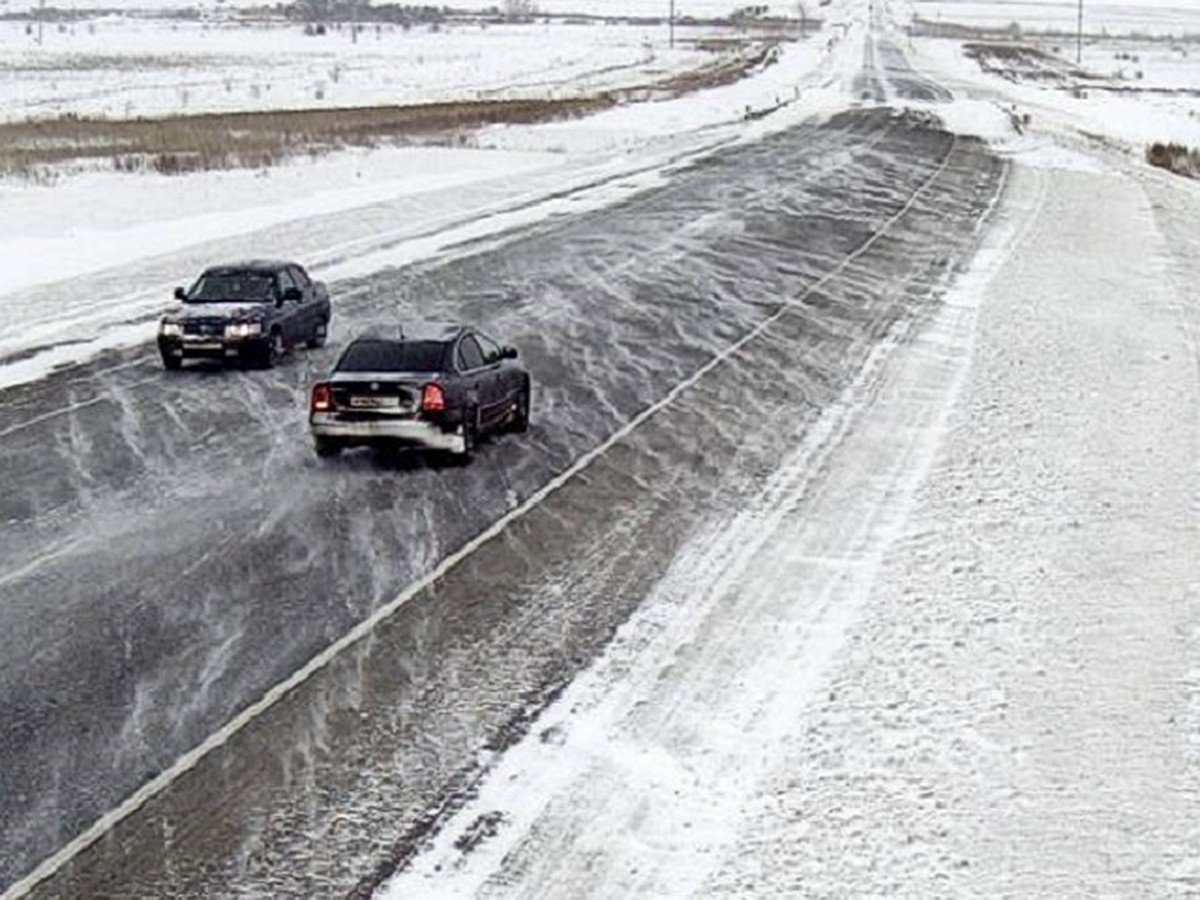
x: 503, y: 385
x: 469, y: 361
x: 311, y: 305
x: 290, y: 312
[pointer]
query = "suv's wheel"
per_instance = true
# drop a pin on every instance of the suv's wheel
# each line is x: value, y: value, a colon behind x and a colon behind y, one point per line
x: 275, y: 349
x: 327, y: 447
x: 171, y: 362
x: 520, y: 417
x: 319, y: 336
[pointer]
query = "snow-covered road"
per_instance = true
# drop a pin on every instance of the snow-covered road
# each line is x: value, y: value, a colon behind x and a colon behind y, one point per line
x: 852, y: 552
x: 734, y: 300
x: 948, y: 651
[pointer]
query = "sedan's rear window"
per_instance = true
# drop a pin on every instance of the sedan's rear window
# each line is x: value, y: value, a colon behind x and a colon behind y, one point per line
x: 393, y: 356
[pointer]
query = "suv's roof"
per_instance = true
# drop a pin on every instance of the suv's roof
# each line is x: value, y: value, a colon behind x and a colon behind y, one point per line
x: 249, y: 265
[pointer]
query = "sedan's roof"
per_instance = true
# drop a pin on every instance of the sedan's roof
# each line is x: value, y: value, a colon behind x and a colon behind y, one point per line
x: 416, y: 331
x: 433, y: 331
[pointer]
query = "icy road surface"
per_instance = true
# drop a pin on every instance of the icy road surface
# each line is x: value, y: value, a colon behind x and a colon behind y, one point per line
x: 179, y: 550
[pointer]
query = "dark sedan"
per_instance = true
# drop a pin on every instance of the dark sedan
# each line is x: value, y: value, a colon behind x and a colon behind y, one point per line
x: 252, y: 312
x: 438, y: 388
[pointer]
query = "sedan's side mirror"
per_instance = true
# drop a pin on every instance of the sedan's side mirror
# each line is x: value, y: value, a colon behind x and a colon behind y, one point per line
x: 508, y: 352
x: 180, y: 294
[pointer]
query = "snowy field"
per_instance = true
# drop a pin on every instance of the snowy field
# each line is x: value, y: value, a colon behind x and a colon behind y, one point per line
x: 1109, y: 102
x: 603, y: 8
x: 123, y: 68
x: 1100, y: 17
x: 949, y: 648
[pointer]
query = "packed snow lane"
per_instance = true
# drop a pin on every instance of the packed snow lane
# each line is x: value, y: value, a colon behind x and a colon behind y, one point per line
x: 178, y: 550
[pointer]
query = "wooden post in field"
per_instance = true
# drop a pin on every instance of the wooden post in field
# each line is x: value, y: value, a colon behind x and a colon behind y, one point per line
x: 671, y: 26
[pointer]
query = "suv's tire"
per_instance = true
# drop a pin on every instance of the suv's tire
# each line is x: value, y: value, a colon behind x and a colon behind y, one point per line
x: 319, y: 336
x: 520, y: 419
x: 274, y: 350
x: 327, y: 447
x: 171, y: 363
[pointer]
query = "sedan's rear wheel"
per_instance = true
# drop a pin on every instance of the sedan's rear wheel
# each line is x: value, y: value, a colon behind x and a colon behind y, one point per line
x: 327, y: 447
x: 470, y: 437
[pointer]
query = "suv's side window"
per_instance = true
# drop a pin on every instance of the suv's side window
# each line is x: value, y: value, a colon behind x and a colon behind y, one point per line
x: 284, y: 280
x: 469, y: 356
x: 489, y: 348
x: 300, y: 277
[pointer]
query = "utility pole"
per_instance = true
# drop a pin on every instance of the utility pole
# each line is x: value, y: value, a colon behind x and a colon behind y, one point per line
x: 1079, y: 36
x: 671, y: 25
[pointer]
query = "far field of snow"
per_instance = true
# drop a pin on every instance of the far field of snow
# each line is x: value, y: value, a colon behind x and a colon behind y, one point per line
x: 605, y: 8
x: 1111, y: 104
x: 123, y: 68
x: 1100, y: 17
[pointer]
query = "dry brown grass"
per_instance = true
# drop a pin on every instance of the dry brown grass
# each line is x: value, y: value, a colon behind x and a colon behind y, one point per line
x: 187, y: 143
x: 178, y: 144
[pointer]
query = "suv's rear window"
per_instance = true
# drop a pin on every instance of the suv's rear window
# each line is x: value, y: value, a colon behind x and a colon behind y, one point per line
x: 393, y: 356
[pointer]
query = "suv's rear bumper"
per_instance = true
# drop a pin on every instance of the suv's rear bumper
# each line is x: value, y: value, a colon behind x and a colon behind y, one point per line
x: 406, y: 432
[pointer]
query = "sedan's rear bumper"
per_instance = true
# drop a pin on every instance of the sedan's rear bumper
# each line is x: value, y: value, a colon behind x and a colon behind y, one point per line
x: 405, y: 432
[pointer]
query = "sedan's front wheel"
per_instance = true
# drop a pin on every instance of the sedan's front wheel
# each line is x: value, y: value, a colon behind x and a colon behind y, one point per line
x: 520, y: 416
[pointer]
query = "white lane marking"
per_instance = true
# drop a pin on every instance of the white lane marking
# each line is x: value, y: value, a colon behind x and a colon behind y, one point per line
x: 193, y: 757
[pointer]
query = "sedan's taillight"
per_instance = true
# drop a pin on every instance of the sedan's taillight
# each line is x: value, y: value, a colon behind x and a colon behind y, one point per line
x: 322, y: 398
x: 432, y: 398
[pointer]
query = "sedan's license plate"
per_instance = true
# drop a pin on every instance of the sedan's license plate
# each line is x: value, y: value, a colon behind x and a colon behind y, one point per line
x: 374, y: 402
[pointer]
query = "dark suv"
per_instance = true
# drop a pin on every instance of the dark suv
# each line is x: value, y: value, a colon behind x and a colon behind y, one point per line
x: 245, y: 312
x: 438, y: 387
